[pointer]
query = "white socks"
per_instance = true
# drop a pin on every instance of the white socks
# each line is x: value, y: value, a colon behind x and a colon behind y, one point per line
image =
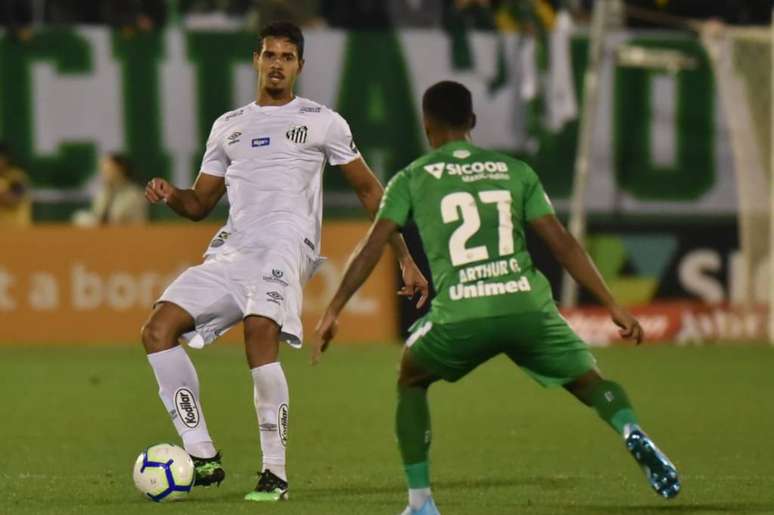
x: 418, y: 497
x: 179, y: 391
x: 271, y: 404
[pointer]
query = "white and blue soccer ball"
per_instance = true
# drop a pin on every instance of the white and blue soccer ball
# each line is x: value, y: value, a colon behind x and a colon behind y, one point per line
x: 164, y: 472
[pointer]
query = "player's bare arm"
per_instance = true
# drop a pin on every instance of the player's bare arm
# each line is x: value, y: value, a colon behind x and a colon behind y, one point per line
x: 360, y: 266
x: 577, y: 262
x: 369, y: 190
x: 195, y: 203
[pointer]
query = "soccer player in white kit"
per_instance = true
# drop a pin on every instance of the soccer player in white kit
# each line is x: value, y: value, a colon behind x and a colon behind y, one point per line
x: 268, y: 157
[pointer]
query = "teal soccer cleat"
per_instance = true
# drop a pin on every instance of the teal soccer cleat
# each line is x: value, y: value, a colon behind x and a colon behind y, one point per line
x: 661, y: 473
x: 428, y: 508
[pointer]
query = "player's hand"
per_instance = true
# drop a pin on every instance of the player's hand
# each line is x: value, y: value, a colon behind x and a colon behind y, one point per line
x: 630, y: 328
x: 158, y: 190
x: 324, y: 332
x: 414, y: 282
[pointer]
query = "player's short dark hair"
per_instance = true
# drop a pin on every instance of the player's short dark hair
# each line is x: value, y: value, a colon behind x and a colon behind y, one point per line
x: 283, y: 29
x: 124, y: 163
x: 450, y: 103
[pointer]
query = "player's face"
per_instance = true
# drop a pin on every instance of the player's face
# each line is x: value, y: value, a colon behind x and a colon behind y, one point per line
x: 110, y: 171
x: 277, y: 64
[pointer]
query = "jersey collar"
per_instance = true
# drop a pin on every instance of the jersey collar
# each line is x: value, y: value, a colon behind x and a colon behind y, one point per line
x: 274, y: 109
x: 454, y: 145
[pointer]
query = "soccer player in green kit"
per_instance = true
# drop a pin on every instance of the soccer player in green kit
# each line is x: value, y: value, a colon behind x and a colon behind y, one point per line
x: 471, y: 207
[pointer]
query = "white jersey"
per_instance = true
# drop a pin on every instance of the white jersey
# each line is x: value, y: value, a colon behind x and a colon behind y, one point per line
x: 272, y: 158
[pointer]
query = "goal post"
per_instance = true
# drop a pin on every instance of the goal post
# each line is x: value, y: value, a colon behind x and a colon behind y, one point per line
x: 743, y: 61
x: 577, y: 217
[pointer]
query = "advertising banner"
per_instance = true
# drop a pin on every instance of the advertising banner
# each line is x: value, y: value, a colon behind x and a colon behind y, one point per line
x: 681, y: 323
x: 660, y: 145
x: 59, y: 284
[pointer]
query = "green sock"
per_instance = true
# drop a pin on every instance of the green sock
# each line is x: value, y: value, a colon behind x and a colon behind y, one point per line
x: 412, y: 426
x: 612, y: 405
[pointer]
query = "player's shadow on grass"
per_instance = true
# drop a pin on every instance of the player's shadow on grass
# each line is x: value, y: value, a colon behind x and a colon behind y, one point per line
x: 353, y: 489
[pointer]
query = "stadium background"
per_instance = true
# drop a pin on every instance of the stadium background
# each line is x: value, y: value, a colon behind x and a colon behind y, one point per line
x: 662, y: 212
x: 662, y: 200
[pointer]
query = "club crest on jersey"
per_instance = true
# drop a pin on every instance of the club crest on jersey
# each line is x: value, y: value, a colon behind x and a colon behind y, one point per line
x: 298, y: 134
x: 260, y: 142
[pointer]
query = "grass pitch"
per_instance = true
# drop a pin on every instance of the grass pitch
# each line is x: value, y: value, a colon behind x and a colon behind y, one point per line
x: 74, y: 419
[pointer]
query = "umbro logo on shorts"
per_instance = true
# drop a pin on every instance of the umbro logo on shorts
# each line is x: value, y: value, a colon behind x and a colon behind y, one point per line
x: 275, y: 297
x: 298, y: 134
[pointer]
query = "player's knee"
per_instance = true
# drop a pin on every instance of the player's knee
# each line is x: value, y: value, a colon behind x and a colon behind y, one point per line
x: 260, y: 329
x: 408, y: 378
x: 156, y: 337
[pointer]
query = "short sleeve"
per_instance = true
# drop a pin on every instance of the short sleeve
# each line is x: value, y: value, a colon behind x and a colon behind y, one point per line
x: 215, y: 161
x: 536, y: 201
x: 396, y: 201
x: 339, y: 145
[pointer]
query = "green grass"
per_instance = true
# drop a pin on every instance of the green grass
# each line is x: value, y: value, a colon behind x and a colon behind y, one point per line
x: 74, y: 419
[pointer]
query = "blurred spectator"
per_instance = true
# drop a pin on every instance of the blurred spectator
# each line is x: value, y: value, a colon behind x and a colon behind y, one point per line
x: 460, y: 15
x: 67, y: 12
x: 215, y: 14
x: 119, y: 201
x: 123, y: 14
x: 730, y: 11
x: 530, y: 16
x: 361, y: 15
x: 305, y: 13
x: 131, y: 15
x: 16, y: 17
x: 15, y: 204
x: 416, y: 13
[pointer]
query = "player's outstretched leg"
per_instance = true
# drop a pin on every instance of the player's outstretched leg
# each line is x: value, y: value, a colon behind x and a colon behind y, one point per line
x: 412, y: 426
x: 612, y: 405
x: 179, y: 388
x: 271, y: 398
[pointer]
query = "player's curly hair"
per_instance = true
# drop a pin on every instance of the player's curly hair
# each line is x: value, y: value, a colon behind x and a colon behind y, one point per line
x: 450, y: 103
x: 283, y: 29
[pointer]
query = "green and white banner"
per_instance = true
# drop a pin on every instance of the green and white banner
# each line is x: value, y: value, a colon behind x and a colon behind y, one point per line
x: 69, y: 95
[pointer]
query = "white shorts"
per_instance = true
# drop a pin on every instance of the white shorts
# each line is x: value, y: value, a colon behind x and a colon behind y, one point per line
x: 228, y: 287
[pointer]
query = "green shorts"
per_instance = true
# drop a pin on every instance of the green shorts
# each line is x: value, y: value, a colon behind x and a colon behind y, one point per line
x: 540, y: 342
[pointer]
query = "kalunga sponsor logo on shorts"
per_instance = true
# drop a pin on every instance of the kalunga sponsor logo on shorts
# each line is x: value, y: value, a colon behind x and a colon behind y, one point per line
x: 186, y: 407
x: 282, y: 418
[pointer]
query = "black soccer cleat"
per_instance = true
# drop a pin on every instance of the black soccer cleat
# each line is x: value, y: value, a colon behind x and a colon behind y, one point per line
x: 269, y: 488
x: 208, y: 471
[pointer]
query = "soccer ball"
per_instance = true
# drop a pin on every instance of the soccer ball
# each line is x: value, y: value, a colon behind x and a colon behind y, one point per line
x: 164, y: 472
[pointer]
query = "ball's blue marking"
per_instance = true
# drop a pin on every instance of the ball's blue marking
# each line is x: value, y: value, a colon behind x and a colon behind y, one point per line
x: 171, y: 485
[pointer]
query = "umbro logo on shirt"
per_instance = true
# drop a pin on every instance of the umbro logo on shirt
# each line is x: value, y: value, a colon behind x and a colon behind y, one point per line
x: 234, y: 137
x: 298, y: 134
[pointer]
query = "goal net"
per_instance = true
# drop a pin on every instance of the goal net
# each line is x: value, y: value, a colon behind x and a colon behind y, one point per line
x: 742, y: 61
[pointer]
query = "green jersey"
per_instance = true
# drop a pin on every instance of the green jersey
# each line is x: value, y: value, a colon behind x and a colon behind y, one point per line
x: 470, y: 206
